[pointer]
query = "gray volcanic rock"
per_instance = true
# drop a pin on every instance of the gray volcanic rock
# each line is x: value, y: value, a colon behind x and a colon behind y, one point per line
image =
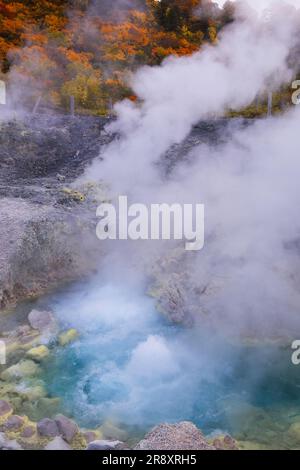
x: 105, y: 445
x: 47, y: 226
x: 43, y: 146
x: 42, y: 320
x: 42, y: 246
x: 47, y: 428
x: 13, y: 423
x: 181, y: 436
x: 67, y: 428
x: 5, y: 408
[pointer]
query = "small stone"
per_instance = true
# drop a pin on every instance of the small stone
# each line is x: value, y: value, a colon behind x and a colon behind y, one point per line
x: 230, y: 443
x: 47, y: 428
x: 32, y: 393
x: 218, y: 444
x: 60, y: 177
x: 39, y: 353
x: 57, y: 444
x: 23, y: 369
x: 5, y: 408
x: 42, y: 320
x: 28, y: 339
x: 23, y: 330
x: 68, y: 337
x: 42, y: 407
x: 28, y: 432
x: 67, y: 428
x: 105, y: 445
x: 13, y: 423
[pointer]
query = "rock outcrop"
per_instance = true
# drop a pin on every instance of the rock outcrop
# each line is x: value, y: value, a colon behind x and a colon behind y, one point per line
x: 47, y: 230
x: 181, y: 436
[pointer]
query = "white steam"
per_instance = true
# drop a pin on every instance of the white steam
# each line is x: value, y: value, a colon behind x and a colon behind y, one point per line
x: 250, y: 265
x: 250, y: 57
x: 130, y: 364
x: 259, y: 5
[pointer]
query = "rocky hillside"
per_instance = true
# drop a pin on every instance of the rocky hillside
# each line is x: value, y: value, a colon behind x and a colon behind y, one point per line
x: 47, y: 230
x: 44, y: 217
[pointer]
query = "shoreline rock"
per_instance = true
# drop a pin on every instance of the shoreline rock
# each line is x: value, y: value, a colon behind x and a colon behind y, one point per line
x: 47, y: 230
x: 181, y: 436
x: 63, y: 433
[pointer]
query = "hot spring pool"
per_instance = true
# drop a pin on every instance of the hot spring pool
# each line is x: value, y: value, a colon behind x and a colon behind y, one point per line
x: 132, y: 367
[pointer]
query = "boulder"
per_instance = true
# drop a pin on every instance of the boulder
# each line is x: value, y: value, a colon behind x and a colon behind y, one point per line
x: 57, y: 444
x: 105, y: 445
x: 68, y: 337
x: 32, y: 392
x: 67, y: 428
x: 181, y: 436
x: 225, y: 443
x: 13, y: 423
x: 47, y: 428
x: 28, y: 432
x: 42, y: 244
x: 39, y: 353
x: 5, y: 408
x: 42, y: 320
x: 41, y: 407
x: 26, y: 368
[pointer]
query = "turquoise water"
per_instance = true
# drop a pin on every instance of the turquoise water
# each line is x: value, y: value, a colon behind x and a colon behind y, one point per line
x: 132, y: 367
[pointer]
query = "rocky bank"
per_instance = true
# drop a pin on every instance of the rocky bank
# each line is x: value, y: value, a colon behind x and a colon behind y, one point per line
x: 47, y: 238
x: 31, y: 419
x: 47, y: 230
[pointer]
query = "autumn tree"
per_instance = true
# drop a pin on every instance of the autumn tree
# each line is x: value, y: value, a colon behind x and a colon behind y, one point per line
x: 172, y: 15
x: 87, y: 49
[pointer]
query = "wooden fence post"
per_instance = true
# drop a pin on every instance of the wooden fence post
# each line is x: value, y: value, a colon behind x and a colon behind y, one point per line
x: 37, y: 104
x: 3, y: 100
x: 270, y: 103
x: 72, y: 106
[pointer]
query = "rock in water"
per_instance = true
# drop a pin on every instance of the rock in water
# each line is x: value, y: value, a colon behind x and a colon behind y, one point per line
x: 105, y: 445
x: 28, y: 432
x: 39, y: 353
x: 181, y: 436
x: 47, y: 428
x: 13, y: 423
x: 42, y: 320
x: 25, y: 368
x: 67, y: 428
x: 225, y: 443
x: 68, y: 337
x: 57, y: 444
x: 5, y: 408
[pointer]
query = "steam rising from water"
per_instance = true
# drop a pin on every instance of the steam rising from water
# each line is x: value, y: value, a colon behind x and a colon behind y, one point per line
x: 260, y: 5
x: 250, y: 261
x: 132, y: 365
x: 251, y: 56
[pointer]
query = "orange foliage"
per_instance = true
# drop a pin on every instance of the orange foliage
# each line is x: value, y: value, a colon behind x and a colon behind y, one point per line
x: 91, y: 56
